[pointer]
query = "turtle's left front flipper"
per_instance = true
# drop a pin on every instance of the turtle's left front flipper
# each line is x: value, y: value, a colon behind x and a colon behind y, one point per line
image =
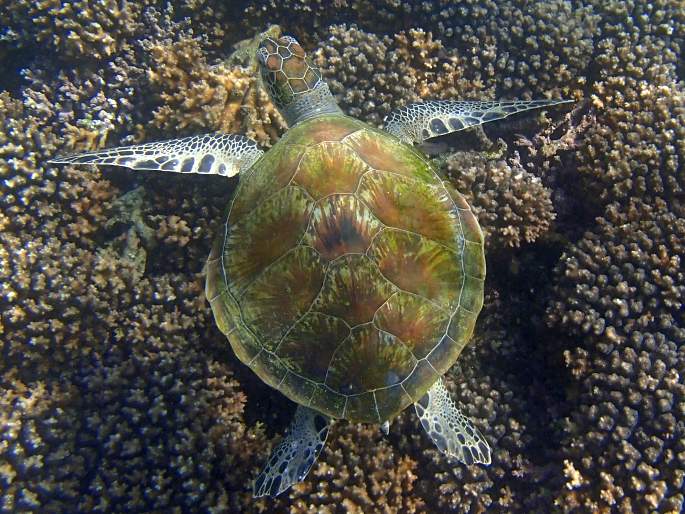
x: 414, y: 123
x: 453, y: 433
x: 291, y: 460
x: 215, y: 154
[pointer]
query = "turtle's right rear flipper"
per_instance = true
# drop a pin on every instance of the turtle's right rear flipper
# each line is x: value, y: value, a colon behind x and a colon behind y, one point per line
x: 291, y: 460
x: 454, y: 434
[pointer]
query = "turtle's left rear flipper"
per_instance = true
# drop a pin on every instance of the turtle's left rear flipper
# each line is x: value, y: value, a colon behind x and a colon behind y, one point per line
x: 291, y: 460
x: 453, y: 433
x: 414, y: 123
x: 209, y: 154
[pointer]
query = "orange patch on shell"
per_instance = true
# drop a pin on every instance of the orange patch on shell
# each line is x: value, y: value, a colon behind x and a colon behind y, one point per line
x: 342, y: 224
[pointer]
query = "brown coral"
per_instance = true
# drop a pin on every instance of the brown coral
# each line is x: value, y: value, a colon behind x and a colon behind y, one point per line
x: 98, y: 343
x: 623, y: 445
x: 622, y: 288
x: 501, y: 382
x: 513, y: 207
x: 74, y: 28
x: 194, y: 96
x: 625, y: 276
x: 358, y: 472
x: 371, y: 75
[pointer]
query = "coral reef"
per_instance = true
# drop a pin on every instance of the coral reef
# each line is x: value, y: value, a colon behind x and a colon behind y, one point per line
x: 622, y: 289
x: 359, y: 471
x: 371, y: 75
x: 513, y: 207
x: 635, y: 148
x: 119, y: 394
x: 625, y: 276
x: 500, y: 381
x: 195, y: 96
x: 78, y: 29
x: 518, y: 48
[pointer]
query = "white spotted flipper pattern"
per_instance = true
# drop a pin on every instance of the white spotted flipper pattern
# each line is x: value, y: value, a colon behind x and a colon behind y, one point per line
x: 414, y: 123
x: 215, y: 154
x: 452, y: 432
x: 291, y: 460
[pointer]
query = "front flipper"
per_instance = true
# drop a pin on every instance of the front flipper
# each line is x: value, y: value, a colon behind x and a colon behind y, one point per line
x: 414, y: 123
x: 452, y: 432
x: 216, y: 154
x: 291, y: 460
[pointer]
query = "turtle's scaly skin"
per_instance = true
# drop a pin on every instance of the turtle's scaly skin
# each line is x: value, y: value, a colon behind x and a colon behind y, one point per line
x: 348, y: 275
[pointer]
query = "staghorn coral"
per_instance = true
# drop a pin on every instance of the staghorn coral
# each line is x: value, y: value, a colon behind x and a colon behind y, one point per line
x: 530, y: 50
x: 623, y: 444
x: 501, y: 381
x: 39, y: 468
x: 637, y: 146
x: 147, y: 420
x: 83, y: 319
x: 519, y: 48
x: 358, y: 472
x: 512, y: 205
x: 169, y: 432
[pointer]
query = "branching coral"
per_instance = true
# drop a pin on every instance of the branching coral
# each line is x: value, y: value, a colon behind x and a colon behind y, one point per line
x: 74, y: 28
x: 637, y: 147
x: 81, y: 317
x: 501, y: 381
x: 169, y: 432
x: 622, y: 288
x: 371, y: 75
x: 624, y: 443
x: 625, y: 276
x: 192, y: 95
x: 40, y: 468
x: 359, y: 472
x: 520, y: 48
x: 119, y: 394
x: 513, y: 206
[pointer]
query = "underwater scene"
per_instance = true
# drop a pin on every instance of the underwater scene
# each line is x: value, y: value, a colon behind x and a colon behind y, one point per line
x: 342, y: 256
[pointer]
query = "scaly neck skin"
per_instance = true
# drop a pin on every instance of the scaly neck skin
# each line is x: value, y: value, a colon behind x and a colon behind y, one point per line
x: 317, y: 102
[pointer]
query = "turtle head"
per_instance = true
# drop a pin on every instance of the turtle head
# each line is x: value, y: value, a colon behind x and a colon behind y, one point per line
x: 293, y: 81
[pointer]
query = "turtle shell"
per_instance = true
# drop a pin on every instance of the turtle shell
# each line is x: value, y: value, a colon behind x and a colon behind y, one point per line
x: 348, y: 274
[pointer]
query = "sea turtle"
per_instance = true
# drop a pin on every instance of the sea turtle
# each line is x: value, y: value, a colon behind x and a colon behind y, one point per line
x: 348, y: 274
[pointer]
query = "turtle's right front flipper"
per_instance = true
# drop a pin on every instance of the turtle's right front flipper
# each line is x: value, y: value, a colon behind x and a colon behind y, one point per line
x: 216, y: 154
x: 291, y: 460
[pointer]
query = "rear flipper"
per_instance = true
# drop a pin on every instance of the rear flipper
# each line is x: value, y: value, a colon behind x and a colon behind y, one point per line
x: 291, y: 460
x: 452, y: 432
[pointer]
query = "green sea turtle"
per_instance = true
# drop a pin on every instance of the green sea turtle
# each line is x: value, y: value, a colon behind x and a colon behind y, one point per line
x: 348, y: 274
